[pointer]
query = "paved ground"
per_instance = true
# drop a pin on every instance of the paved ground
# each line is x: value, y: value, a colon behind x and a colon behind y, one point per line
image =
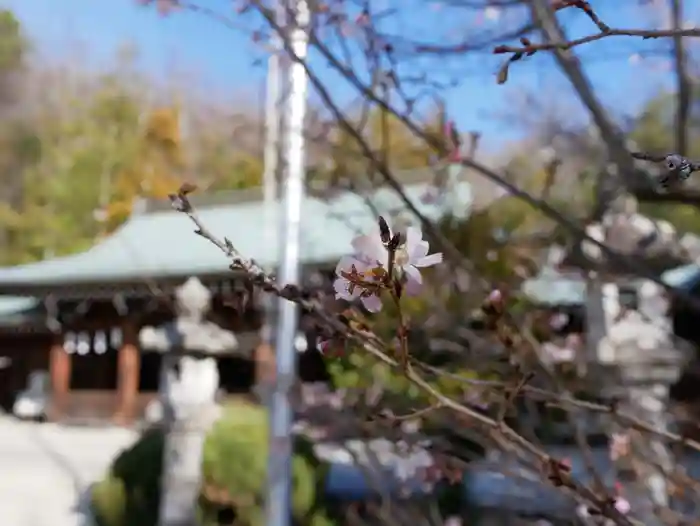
x: 45, y: 470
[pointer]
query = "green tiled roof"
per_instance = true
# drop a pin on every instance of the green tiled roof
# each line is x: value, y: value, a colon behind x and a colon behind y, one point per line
x: 162, y: 244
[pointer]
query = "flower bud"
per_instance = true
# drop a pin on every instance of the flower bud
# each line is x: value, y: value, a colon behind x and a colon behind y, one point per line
x: 384, y: 232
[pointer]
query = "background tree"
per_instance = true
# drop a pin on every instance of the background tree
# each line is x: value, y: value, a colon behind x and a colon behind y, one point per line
x: 225, y: 144
x: 156, y: 168
x: 18, y: 145
x: 73, y: 157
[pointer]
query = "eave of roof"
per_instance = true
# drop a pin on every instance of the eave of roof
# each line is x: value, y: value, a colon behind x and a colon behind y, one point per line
x: 553, y: 288
x: 19, y: 312
x: 685, y: 277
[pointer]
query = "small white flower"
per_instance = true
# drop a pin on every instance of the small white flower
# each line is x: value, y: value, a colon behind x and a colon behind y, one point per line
x: 408, y: 258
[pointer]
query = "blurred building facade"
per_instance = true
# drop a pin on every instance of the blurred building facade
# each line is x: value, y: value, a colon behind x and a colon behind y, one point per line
x: 77, y: 318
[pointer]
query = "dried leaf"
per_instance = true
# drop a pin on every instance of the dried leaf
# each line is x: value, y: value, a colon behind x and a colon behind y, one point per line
x: 502, y: 76
x: 187, y: 188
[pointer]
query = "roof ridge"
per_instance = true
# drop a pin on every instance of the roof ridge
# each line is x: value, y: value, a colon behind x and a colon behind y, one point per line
x: 203, y: 200
x: 412, y: 177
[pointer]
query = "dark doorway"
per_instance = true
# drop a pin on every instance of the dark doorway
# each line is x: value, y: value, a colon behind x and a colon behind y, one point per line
x: 312, y: 367
x: 236, y: 375
x: 94, y: 372
x: 149, y: 375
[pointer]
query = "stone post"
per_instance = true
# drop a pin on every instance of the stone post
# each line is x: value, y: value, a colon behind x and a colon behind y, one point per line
x: 188, y: 385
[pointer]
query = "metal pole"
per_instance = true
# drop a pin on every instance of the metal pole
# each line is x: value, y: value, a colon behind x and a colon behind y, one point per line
x: 271, y: 156
x: 280, y: 451
x: 272, y: 136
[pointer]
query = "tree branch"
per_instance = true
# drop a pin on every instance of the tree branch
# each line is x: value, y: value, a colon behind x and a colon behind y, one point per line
x: 682, y: 80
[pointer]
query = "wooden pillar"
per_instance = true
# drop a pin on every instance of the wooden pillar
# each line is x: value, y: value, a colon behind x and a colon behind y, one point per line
x: 264, y: 364
x: 60, y: 372
x: 128, y: 372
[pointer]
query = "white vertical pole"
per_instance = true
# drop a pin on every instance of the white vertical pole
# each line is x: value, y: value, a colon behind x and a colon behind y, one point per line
x: 274, y: 104
x: 278, y: 505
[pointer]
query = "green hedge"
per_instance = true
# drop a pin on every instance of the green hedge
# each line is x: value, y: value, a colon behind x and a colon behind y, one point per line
x: 233, y: 473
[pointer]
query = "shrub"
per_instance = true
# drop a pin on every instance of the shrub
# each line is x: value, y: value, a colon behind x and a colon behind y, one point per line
x: 233, y: 476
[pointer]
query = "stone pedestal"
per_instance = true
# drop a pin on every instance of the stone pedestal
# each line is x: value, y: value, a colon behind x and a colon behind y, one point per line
x: 189, y: 393
x: 635, y: 344
x: 188, y: 386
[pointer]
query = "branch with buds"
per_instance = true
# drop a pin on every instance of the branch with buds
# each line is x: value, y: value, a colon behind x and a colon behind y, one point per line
x: 528, y: 48
x: 678, y: 169
x: 379, y: 253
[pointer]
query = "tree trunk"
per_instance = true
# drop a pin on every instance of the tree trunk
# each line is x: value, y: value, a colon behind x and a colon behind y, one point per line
x: 188, y: 390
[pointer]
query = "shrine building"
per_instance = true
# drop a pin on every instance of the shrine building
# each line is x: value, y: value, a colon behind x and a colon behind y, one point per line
x: 78, y: 317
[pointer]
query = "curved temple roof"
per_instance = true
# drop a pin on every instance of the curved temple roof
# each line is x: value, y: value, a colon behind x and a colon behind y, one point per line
x: 161, y: 244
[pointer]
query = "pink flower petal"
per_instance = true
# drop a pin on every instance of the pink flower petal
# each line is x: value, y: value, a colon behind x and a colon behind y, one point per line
x: 622, y: 505
x: 413, y: 237
x: 342, y: 292
x: 414, y: 280
x: 361, y: 264
x: 345, y: 264
x: 372, y: 303
x: 372, y: 248
x: 415, y: 246
x: 428, y: 261
x: 495, y: 296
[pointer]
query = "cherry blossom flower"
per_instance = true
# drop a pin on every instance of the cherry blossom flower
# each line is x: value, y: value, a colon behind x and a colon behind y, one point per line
x: 558, y: 321
x: 622, y: 505
x: 619, y: 446
x: 408, y: 258
x: 495, y: 296
x: 348, y: 291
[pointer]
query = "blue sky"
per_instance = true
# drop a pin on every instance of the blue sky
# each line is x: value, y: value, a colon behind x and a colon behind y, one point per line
x: 222, y: 59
